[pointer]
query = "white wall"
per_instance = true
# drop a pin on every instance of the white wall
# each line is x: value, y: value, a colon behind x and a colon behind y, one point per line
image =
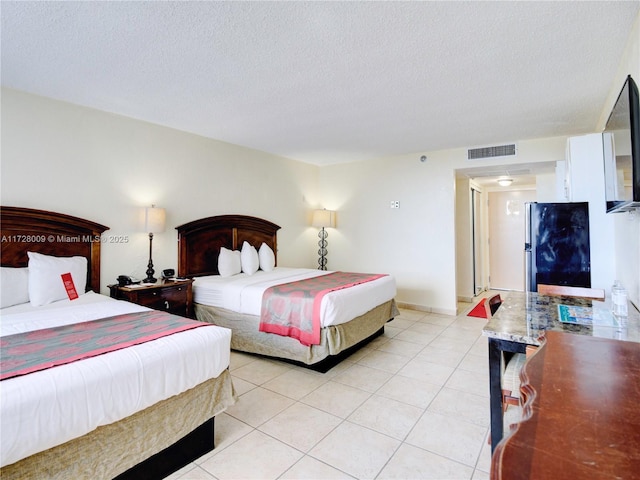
x: 370, y: 236
x: 547, y: 188
x: 585, y: 166
x: 103, y: 167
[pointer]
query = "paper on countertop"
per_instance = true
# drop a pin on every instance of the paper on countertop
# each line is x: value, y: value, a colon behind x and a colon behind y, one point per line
x: 586, y: 316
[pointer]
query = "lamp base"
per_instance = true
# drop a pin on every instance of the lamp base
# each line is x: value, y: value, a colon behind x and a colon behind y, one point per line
x: 322, y: 251
x: 150, y: 271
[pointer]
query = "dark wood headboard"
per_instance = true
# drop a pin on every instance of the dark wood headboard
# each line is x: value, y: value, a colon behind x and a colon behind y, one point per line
x: 199, y: 242
x: 50, y: 233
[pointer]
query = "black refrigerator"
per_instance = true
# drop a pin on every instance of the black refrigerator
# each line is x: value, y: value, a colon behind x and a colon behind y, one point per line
x: 557, y: 245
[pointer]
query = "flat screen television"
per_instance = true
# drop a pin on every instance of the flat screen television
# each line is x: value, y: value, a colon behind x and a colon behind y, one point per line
x: 621, y: 141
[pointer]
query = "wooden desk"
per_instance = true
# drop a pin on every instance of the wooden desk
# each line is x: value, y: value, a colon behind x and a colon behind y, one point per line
x: 522, y: 319
x: 580, y: 416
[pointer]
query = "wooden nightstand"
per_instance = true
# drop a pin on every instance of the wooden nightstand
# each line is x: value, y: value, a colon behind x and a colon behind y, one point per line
x: 170, y: 296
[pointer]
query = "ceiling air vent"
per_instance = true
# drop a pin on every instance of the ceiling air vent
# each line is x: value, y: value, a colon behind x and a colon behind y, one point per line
x: 489, y: 152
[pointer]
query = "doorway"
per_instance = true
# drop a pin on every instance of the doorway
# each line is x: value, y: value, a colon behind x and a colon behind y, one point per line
x: 490, y: 246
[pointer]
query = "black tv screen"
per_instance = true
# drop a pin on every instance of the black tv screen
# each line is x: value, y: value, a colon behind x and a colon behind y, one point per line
x: 621, y: 143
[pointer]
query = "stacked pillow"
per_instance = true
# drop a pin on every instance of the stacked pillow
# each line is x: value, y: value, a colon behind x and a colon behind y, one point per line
x: 15, y: 286
x: 41, y: 282
x: 229, y: 262
x: 45, y: 282
x: 267, y: 258
x: 248, y: 260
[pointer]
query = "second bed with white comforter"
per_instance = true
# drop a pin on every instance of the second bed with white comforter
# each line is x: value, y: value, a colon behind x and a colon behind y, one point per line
x: 348, y: 316
x: 242, y: 293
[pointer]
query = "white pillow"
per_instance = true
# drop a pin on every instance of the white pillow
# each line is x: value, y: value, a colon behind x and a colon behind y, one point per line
x: 250, y: 260
x: 229, y: 262
x: 15, y: 286
x: 267, y: 258
x: 45, y: 280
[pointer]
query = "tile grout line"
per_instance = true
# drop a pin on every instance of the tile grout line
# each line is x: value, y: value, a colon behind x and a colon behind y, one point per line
x: 370, y: 394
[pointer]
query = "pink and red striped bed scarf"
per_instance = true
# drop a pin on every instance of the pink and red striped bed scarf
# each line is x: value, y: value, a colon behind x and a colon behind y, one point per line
x: 28, y: 352
x: 293, y: 309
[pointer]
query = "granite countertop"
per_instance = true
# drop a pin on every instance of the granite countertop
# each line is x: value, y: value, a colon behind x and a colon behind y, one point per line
x: 524, y: 317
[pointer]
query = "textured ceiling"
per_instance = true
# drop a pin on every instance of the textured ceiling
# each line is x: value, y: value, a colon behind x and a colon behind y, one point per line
x: 327, y: 82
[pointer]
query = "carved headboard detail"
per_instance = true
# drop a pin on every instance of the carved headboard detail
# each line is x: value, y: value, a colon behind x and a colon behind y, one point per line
x: 50, y: 233
x: 199, y: 242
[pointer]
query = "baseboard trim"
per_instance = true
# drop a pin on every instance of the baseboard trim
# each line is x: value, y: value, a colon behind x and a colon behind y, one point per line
x: 422, y: 308
x: 466, y: 299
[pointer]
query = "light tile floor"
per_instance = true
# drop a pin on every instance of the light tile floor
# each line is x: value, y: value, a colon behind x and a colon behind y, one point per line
x: 413, y: 404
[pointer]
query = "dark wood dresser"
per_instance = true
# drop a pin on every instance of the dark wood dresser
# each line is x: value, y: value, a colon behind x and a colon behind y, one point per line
x: 171, y: 296
x: 581, y: 413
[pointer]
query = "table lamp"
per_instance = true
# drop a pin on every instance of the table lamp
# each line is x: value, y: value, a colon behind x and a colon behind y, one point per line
x: 154, y: 220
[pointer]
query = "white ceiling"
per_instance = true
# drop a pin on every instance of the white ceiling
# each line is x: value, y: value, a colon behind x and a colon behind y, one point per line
x: 327, y: 82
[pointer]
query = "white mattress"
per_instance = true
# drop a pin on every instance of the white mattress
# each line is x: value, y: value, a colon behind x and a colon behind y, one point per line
x: 46, y: 408
x: 242, y: 293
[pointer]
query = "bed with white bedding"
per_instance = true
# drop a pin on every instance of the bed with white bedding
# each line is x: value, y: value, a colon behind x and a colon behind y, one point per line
x: 349, y: 317
x: 139, y: 412
x: 243, y: 293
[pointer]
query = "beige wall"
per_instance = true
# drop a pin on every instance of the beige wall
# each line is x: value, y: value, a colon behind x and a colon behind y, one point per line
x: 103, y: 167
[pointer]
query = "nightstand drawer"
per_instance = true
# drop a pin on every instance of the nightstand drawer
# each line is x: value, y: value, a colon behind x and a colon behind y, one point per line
x: 172, y: 297
x: 169, y: 299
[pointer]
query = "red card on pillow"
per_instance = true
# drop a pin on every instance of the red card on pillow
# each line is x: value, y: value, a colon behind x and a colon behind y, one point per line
x: 69, y: 286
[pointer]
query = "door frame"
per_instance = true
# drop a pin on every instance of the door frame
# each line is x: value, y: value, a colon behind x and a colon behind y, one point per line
x: 478, y: 239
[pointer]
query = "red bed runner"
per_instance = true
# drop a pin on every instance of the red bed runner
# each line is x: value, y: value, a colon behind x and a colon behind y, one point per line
x: 293, y: 309
x: 41, y: 349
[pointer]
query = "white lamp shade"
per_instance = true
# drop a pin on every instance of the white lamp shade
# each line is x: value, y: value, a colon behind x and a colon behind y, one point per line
x: 324, y: 218
x: 154, y: 220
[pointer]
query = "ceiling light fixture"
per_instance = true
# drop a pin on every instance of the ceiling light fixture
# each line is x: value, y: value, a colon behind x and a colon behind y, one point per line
x: 505, y: 182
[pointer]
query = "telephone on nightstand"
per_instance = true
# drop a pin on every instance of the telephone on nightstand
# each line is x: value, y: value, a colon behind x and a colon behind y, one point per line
x: 124, y: 280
